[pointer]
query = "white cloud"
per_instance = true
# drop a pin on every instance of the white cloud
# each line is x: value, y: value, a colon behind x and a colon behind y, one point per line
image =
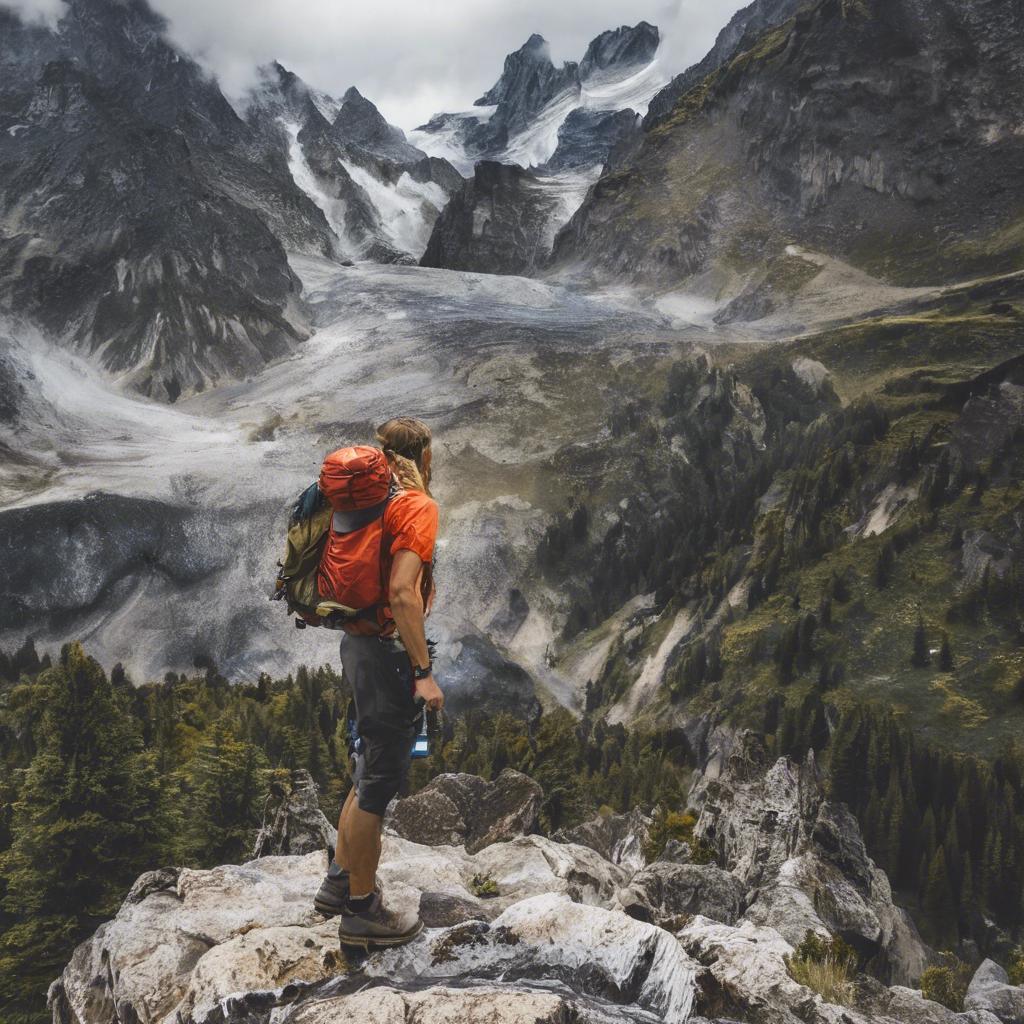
x: 414, y: 57
x: 45, y: 12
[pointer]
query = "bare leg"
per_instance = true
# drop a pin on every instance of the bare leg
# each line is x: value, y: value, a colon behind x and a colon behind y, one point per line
x: 362, y: 849
x: 341, y: 854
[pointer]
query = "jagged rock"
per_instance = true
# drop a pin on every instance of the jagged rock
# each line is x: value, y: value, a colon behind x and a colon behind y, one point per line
x: 139, y: 204
x: 990, y: 990
x: 465, y: 810
x: 587, y: 137
x: 662, y: 892
x: 984, y: 552
x: 743, y: 28
x: 803, y: 860
x: 528, y: 82
x: 620, y: 838
x: 498, y: 223
x: 676, y: 852
x: 292, y: 819
x: 621, y: 48
x: 360, y: 123
x: 746, y: 973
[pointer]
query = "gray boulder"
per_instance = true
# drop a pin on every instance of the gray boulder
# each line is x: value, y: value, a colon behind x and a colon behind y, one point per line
x: 990, y: 990
x: 620, y: 838
x: 292, y: 820
x: 663, y: 893
x: 465, y: 810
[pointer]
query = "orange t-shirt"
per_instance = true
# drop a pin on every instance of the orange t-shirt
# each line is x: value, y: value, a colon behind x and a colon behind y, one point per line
x: 410, y: 521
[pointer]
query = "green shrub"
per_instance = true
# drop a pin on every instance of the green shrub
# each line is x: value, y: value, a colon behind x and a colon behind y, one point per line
x: 947, y: 982
x: 484, y: 886
x: 672, y: 825
x: 825, y: 966
x: 1015, y: 968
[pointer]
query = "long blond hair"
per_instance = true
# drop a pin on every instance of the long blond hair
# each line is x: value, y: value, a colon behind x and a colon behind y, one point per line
x: 406, y: 442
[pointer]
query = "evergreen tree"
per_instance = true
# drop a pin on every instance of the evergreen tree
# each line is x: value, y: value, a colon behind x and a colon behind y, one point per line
x: 85, y: 824
x: 939, y: 903
x: 946, y: 654
x: 227, y: 783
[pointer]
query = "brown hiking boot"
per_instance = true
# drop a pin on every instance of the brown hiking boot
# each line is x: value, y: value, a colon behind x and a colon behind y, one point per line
x: 378, y: 925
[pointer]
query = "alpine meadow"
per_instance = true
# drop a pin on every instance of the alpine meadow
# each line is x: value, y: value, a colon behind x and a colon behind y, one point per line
x: 648, y: 430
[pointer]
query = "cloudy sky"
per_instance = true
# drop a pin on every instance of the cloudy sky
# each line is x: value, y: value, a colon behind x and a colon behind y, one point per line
x: 411, y: 57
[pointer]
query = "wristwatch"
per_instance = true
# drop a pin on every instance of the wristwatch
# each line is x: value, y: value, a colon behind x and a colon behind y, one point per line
x: 423, y: 673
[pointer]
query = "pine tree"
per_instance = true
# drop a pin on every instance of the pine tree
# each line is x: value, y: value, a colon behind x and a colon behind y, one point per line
x: 938, y: 902
x: 946, y: 654
x: 85, y: 823
x: 227, y: 782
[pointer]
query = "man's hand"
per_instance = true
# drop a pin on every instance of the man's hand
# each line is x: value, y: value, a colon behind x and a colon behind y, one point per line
x: 428, y: 691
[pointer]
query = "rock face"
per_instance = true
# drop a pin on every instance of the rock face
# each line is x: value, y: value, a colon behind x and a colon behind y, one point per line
x: 990, y: 990
x: 745, y: 26
x: 620, y: 838
x: 662, y: 893
x: 545, y: 940
x: 768, y: 145
x: 499, y: 223
x: 292, y: 820
x: 136, y: 204
x: 802, y: 860
x: 465, y: 810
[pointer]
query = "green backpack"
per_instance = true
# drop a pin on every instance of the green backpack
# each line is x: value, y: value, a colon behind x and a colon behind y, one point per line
x: 296, y: 581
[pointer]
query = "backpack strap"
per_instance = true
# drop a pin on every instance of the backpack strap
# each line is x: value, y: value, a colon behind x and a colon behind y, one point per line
x: 356, y: 519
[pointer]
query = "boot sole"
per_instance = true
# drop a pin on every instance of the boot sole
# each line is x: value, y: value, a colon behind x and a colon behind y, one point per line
x: 368, y: 942
x: 327, y: 910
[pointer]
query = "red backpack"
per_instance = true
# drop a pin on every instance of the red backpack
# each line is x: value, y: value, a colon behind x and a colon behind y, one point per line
x: 333, y: 573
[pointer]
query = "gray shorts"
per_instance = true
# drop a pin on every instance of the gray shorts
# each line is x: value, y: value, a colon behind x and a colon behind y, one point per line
x: 380, y: 675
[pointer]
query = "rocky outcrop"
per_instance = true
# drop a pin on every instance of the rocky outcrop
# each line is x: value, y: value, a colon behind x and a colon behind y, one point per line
x: 620, y: 838
x: 802, y: 860
x: 663, y: 893
x: 499, y: 223
x: 465, y: 810
x: 990, y: 990
x: 625, y: 47
x: 519, y: 928
x: 292, y: 820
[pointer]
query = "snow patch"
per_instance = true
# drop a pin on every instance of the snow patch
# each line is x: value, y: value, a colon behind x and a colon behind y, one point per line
x: 536, y: 144
x: 303, y: 176
x: 15, y: 128
x: 407, y: 209
x: 603, y: 91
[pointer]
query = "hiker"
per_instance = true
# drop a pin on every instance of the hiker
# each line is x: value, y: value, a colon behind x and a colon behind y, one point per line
x: 385, y: 658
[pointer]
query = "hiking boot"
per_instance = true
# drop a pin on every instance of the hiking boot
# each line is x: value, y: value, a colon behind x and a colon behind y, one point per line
x: 378, y: 925
x: 333, y: 893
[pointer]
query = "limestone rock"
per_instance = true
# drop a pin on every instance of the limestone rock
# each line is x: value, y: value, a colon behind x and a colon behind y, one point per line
x: 803, y: 861
x: 292, y: 820
x: 459, y: 809
x: 435, y: 1005
x: 620, y: 838
x: 990, y: 990
x: 663, y: 892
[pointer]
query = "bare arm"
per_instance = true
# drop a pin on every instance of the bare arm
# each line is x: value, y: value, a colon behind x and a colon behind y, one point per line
x: 407, y: 609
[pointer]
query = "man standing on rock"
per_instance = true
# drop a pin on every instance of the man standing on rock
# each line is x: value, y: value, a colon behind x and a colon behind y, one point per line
x: 384, y: 655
